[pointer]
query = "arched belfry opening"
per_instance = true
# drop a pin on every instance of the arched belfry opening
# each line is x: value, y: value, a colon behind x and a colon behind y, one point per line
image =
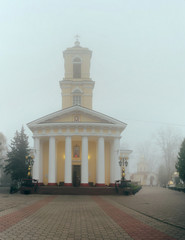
x: 77, y: 67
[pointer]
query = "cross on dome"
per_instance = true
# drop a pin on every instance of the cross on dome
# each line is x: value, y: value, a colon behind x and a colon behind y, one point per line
x: 77, y: 43
x: 77, y: 37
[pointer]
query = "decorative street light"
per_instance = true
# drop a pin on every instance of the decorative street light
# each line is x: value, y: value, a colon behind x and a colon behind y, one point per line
x: 123, y: 163
x: 30, y: 160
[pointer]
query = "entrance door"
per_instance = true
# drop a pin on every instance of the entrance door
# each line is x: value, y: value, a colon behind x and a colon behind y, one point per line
x: 76, y: 175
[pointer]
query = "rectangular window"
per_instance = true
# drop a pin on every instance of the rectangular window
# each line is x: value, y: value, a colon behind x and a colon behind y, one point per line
x: 76, y: 70
x: 76, y: 100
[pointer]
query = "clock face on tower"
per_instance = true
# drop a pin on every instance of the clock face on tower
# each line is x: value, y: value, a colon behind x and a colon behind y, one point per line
x: 76, y: 118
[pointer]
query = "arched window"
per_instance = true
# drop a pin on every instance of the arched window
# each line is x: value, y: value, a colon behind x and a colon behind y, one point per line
x: 77, y: 68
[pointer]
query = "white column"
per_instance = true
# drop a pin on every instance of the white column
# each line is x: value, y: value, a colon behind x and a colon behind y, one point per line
x: 84, y: 169
x: 41, y: 164
x: 68, y: 164
x: 112, y: 164
x: 52, y: 162
x: 36, y: 159
x: 117, y: 169
x: 100, y: 166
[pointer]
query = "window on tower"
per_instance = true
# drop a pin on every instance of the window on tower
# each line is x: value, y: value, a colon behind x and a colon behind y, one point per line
x: 77, y: 68
x: 76, y: 100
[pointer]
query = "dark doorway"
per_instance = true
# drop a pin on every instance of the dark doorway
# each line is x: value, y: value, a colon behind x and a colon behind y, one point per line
x: 76, y: 175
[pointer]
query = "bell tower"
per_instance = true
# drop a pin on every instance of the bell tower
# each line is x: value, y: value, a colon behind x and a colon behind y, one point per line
x: 77, y: 86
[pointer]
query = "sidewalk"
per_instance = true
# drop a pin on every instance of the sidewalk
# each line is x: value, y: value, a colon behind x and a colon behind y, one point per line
x: 78, y: 217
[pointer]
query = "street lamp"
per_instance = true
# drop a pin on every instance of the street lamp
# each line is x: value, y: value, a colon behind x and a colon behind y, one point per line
x: 123, y: 163
x: 30, y: 160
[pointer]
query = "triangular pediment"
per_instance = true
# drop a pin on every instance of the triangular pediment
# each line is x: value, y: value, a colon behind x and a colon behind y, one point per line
x: 76, y: 114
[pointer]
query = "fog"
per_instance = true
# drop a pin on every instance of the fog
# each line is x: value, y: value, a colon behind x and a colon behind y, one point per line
x: 137, y: 63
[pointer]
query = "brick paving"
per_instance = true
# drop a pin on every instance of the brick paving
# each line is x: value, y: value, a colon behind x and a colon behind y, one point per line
x: 161, y: 203
x: 29, y: 217
x: 170, y: 230
x: 135, y: 228
x: 13, y: 218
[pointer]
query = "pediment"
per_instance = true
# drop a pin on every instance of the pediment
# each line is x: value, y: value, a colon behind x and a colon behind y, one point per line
x: 76, y: 114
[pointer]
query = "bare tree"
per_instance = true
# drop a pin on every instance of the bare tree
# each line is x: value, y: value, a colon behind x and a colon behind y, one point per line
x: 147, y: 151
x: 3, y: 152
x: 3, y: 145
x: 169, y: 141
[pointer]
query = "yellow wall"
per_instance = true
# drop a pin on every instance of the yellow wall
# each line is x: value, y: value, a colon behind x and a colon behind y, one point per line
x: 82, y: 118
x: 92, y: 161
x: 85, y: 66
x: 67, y: 95
x: 69, y: 86
x: 60, y: 158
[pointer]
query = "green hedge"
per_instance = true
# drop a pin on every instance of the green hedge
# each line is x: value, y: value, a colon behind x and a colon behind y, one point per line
x: 180, y: 189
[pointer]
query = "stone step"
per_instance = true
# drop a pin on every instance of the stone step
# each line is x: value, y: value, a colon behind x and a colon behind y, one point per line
x: 56, y: 190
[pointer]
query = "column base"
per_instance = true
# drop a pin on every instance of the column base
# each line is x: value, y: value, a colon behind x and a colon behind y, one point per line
x: 84, y: 185
x: 52, y: 184
x: 68, y: 184
x: 100, y: 184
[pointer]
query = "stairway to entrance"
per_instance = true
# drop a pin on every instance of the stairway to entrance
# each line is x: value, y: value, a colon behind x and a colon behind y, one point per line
x: 64, y: 190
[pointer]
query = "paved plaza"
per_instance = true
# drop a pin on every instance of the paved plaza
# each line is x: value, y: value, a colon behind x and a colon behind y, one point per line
x: 153, y: 213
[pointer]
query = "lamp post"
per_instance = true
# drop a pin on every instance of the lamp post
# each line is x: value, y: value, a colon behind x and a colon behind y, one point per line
x: 123, y: 163
x: 30, y: 160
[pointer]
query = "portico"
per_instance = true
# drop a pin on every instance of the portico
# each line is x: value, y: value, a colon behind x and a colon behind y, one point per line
x: 95, y: 147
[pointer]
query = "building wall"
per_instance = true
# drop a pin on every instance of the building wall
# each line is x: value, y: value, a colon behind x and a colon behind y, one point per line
x: 92, y: 161
x: 60, y: 159
x: 85, y: 66
x: 67, y: 96
x: 82, y: 118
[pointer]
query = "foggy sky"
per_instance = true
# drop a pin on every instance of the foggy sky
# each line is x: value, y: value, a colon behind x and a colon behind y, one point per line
x: 138, y: 61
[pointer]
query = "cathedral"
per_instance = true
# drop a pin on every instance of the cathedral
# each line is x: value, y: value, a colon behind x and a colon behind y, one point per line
x: 77, y: 146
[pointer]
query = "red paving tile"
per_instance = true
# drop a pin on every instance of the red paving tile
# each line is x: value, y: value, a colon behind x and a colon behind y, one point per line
x: 11, y: 219
x: 135, y: 228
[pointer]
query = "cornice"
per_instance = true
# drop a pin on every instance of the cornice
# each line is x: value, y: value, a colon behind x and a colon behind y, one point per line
x: 77, y: 50
x: 38, y: 133
x: 76, y: 82
x: 77, y: 125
